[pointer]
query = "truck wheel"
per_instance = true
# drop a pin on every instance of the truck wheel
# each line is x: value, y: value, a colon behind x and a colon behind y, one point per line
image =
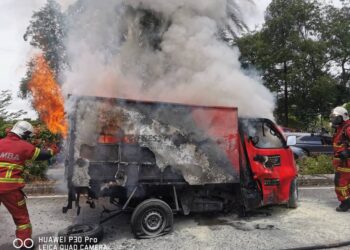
x: 151, y: 218
x: 293, y: 195
x: 81, y: 234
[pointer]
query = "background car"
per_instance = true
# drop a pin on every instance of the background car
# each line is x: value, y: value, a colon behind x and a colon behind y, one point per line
x: 313, y: 144
x: 298, y: 152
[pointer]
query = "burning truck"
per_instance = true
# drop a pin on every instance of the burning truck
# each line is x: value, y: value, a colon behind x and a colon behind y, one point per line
x: 156, y: 159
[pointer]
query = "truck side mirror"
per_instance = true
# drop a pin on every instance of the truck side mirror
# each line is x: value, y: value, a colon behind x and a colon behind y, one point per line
x: 291, y: 140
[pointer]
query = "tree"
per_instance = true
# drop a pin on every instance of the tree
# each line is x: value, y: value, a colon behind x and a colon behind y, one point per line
x: 49, y: 26
x: 46, y: 32
x: 23, y: 87
x: 337, y: 34
x: 5, y: 101
x: 292, y: 59
x: 229, y: 29
x: 153, y: 24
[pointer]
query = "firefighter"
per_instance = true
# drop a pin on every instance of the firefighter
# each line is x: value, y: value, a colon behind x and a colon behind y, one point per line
x: 341, y: 160
x: 14, y: 152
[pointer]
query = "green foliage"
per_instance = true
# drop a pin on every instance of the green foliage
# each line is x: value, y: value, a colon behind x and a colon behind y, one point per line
x: 347, y: 106
x: 23, y: 87
x: 5, y: 101
x: 296, y: 53
x: 46, y: 32
x: 234, y: 14
x: 4, y: 128
x: 48, y: 29
x: 36, y: 171
x: 321, y: 164
x: 43, y: 138
x: 337, y: 34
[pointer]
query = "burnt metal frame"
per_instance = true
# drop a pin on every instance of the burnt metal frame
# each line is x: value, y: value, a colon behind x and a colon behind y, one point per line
x: 124, y: 209
x: 117, y: 212
x: 246, y: 175
x: 69, y: 164
x: 175, y: 199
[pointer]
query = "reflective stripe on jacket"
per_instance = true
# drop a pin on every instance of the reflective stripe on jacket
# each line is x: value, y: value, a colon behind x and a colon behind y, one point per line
x: 340, y: 139
x: 14, y: 152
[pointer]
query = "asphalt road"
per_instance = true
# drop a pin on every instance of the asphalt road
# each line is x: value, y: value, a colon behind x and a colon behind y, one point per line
x: 314, y: 222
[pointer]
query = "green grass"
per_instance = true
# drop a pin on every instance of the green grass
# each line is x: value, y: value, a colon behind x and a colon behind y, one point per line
x: 321, y: 164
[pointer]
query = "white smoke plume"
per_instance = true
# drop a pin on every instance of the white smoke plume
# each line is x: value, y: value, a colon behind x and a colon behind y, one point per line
x: 110, y: 55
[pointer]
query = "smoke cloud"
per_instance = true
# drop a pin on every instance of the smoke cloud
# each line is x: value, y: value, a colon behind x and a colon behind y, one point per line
x: 178, y: 58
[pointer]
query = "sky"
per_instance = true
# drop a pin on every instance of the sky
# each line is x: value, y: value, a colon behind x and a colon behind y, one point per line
x: 15, y: 52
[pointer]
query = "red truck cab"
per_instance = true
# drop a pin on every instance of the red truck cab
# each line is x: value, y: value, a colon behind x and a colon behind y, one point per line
x: 271, y: 161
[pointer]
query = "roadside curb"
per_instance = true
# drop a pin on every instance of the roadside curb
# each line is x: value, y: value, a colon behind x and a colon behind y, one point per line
x: 51, y: 187
x: 316, y: 180
x: 43, y: 188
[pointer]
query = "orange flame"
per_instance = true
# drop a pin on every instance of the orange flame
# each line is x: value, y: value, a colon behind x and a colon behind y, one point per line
x: 47, y: 97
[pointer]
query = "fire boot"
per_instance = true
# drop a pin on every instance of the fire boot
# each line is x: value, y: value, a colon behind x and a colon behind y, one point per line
x: 344, y: 206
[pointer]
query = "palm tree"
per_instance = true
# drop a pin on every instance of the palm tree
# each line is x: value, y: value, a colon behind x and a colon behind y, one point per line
x: 152, y: 25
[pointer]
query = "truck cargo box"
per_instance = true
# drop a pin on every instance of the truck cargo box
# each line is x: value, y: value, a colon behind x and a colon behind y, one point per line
x: 166, y: 142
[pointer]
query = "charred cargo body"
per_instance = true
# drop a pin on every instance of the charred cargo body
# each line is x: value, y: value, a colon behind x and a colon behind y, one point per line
x: 156, y: 159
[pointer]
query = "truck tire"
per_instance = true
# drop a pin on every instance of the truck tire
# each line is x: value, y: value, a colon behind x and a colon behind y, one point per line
x: 151, y: 218
x: 293, y: 195
x: 81, y: 234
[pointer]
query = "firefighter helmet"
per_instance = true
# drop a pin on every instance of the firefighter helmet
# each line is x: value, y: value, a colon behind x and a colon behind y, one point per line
x: 23, y: 129
x: 339, y: 115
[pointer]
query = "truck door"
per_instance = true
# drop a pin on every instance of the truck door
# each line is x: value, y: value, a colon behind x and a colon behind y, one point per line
x: 271, y: 161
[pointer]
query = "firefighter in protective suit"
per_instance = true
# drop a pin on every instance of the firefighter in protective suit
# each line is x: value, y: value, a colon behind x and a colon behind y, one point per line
x: 341, y: 160
x: 14, y: 152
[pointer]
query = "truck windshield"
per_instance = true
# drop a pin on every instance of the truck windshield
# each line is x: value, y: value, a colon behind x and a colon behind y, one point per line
x: 264, y: 134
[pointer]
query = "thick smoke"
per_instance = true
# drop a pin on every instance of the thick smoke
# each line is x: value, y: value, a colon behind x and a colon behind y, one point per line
x: 180, y: 57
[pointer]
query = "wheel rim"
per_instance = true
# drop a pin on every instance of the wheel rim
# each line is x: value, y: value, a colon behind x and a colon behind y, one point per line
x: 153, y: 222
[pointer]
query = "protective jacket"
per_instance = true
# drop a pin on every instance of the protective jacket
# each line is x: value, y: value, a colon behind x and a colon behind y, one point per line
x: 341, y: 144
x: 14, y: 152
x: 341, y: 161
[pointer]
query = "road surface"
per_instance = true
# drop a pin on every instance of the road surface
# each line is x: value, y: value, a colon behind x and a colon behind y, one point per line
x: 314, y: 222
